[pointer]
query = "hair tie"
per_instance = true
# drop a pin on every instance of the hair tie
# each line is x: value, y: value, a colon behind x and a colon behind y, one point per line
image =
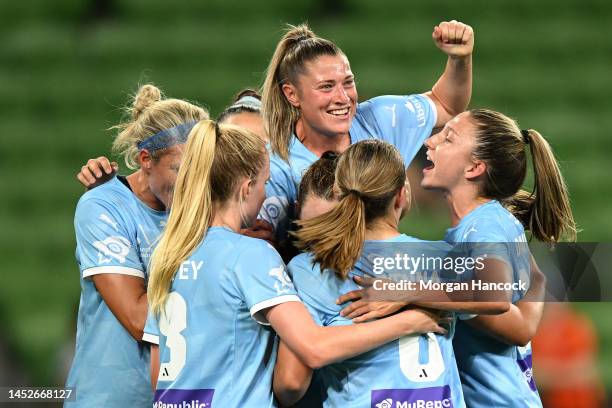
x: 358, y: 194
x: 217, y: 130
x: 301, y: 38
x: 526, y: 137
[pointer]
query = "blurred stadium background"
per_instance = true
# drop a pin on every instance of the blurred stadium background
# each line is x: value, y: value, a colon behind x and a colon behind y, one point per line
x: 67, y: 67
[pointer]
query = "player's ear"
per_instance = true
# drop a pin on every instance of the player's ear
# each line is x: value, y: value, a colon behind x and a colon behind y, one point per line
x: 401, y: 198
x: 290, y: 92
x: 245, y: 188
x: 145, y: 160
x: 475, y: 169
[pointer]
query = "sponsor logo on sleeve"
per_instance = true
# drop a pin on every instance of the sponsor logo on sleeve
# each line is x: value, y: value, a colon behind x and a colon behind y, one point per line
x: 416, y: 107
x: 469, y: 231
x: 432, y: 397
x: 283, y: 283
x: 108, y: 220
x: 114, y: 247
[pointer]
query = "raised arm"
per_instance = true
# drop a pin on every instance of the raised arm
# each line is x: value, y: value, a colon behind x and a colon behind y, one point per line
x: 452, y: 92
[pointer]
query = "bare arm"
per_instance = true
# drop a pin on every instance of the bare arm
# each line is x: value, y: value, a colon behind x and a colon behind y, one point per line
x: 372, y: 303
x: 452, y: 92
x: 154, y: 365
x: 480, y: 308
x: 475, y: 301
x: 361, y: 310
x: 308, y: 345
x: 291, y: 376
x: 520, y: 323
x: 126, y: 297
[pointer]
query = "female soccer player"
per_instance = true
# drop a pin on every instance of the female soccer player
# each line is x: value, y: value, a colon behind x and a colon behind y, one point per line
x: 245, y: 111
x: 479, y: 161
x: 372, y: 191
x: 116, y: 226
x: 310, y: 106
x: 214, y: 293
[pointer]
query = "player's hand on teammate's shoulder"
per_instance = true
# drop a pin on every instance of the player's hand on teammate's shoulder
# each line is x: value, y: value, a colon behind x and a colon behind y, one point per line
x: 97, y: 172
x: 427, y: 321
x: 361, y: 305
x: 454, y: 38
x: 261, y: 230
x: 362, y: 309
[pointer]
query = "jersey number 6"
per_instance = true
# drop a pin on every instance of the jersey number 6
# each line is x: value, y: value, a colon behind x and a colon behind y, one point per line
x: 420, y: 366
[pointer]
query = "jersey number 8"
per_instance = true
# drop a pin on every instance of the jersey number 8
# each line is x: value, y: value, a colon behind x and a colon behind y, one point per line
x: 171, y: 323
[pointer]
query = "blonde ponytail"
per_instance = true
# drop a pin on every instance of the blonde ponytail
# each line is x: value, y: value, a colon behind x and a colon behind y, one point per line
x: 336, y: 237
x: 214, y: 160
x: 187, y: 223
x: 369, y: 174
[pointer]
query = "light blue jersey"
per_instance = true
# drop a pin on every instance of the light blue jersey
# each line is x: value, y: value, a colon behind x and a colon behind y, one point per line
x: 115, y: 233
x: 216, y: 348
x: 493, y: 373
x: 414, y: 371
x: 403, y: 121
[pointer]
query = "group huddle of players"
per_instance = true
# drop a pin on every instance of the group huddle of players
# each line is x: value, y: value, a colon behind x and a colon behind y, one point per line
x: 187, y: 301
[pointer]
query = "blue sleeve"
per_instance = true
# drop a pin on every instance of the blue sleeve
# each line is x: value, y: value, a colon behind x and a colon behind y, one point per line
x: 281, y: 195
x: 487, y: 240
x: 151, y: 331
x: 104, y: 243
x: 312, y: 290
x: 404, y: 121
x: 261, y: 277
x: 484, y: 237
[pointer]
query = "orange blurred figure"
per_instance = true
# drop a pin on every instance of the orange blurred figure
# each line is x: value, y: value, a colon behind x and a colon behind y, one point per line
x: 565, y: 359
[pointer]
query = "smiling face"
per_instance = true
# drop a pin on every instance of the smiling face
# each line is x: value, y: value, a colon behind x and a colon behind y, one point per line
x: 325, y: 95
x: 450, y: 154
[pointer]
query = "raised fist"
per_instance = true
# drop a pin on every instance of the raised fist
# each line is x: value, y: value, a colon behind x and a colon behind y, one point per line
x: 454, y: 38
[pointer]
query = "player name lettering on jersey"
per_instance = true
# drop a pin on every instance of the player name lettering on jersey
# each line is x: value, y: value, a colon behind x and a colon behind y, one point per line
x: 189, y: 270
